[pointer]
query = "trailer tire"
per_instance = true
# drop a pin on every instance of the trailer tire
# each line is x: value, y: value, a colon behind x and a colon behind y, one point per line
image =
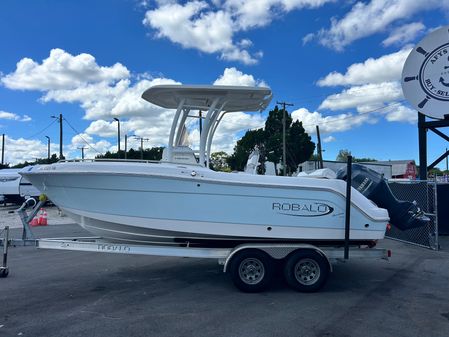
x: 251, y: 270
x: 306, y: 270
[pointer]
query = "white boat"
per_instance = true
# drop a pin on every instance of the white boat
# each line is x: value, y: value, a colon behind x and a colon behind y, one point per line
x: 179, y: 200
x: 14, y: 188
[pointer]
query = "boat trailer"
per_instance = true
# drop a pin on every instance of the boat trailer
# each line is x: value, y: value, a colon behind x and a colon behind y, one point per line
x: 251, y: 265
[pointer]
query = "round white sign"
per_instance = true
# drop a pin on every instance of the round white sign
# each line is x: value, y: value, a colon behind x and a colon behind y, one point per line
x: 425, y: 76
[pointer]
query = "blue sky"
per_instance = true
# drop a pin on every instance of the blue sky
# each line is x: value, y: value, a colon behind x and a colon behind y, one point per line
x: 338, y: 62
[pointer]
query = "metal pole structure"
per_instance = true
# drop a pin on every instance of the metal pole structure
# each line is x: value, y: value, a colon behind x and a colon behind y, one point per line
x: 422, y: 136
x: 284, y: 146
x: 60, y: 137
x: 348, y: 206
x: 141, y: 147
x: 82, y: 151
x: 126, y: 146
x: 3, y: 149
x: 320, y: 154
x: 118, y: 136
x: 200, y: 115
x: 446, y: 164
x: 141, y: 144
x: 48, y: 147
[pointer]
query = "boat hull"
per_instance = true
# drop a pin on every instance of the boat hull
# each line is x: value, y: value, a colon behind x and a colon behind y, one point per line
x: 176, y: 204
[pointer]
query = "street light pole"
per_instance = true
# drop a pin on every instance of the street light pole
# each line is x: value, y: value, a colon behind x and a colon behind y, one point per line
x: 48, y: 147
x: 3, y: 149
x: 118, y: 136
x: 126, y: 146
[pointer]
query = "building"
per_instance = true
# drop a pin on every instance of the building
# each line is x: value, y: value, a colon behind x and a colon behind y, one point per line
x: 401, y: 168
x: 391, y: 169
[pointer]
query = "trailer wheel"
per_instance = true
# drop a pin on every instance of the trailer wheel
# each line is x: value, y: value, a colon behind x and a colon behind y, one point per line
x: 251, y: 270
x: 306, y: 270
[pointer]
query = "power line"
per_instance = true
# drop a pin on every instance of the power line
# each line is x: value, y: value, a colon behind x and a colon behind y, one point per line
x: 352, y: 116
x: 38, y: 133
x: 79, y: 134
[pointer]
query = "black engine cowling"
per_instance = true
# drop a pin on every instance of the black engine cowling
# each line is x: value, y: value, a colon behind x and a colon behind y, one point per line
x: 403, y: 214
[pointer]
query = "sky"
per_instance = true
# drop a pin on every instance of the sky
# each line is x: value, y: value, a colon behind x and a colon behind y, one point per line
x: 339, y: 63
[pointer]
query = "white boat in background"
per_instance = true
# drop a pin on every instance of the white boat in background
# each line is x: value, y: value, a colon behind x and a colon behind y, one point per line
x: 179, y: 200
x: 14, y: 188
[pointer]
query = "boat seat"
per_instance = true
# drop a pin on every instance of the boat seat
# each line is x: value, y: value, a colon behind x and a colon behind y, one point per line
x: 181, y: 154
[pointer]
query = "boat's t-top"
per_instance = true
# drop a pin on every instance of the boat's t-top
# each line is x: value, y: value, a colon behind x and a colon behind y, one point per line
x: 216, y: 100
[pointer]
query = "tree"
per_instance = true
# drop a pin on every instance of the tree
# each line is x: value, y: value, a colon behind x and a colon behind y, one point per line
x: 155, y: 153
x: 364, y: 160
x: 343, y: 155
x: 273, y: 134
x: 40, y: 161
x: 269, y: 140
x: 299, y: 146
x: 243, y: 148
x: 218, y: 161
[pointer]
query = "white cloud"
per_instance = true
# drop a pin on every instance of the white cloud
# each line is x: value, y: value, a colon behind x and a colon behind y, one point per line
x: 259, y: 13
x: 361, y: 96
x: 14, y: 117
x: 338, y: 123
x: 374, y: 87
x: 20, y: 150
x: 91, y: 148
x: 210, y: 26
x: 401, y: 113
x: 372, y: 17
x: 103, y: 128
x: 329, y: 139
x: 232, y: 76
x: 383, y: 69
x: 404, y: 34
x: 102, y: 100
x: 61, y: 70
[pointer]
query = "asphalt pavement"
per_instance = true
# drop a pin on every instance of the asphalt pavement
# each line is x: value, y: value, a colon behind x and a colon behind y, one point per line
x: 61, y: 293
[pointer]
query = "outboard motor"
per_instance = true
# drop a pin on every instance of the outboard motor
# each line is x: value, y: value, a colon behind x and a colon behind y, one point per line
x: 403, y: 214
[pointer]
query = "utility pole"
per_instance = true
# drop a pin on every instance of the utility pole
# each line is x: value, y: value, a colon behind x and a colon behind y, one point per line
x: 118, y: 136
x: 284, y: 147
x: 3, y: 149
x: 320, y: 154
x: 82, y: 151
x: 126, y: 146
x: 48, y: 147
x: 60, y: 135
x: 141, y: 144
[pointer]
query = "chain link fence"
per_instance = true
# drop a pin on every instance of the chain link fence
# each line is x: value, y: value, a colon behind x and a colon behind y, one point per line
x: 425, y: 195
